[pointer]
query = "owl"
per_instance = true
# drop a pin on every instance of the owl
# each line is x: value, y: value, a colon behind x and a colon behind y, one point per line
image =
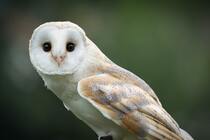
x: 114, y: 102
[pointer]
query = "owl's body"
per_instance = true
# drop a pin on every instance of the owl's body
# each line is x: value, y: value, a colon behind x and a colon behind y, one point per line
x: 84, y: 110
x: 65, y: 88
x: 109, y: 99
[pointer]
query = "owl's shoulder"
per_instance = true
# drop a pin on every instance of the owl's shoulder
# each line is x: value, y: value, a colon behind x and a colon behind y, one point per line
x: 130, y: 78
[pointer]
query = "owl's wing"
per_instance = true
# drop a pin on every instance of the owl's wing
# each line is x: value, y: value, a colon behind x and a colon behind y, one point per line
x: 129, y: 106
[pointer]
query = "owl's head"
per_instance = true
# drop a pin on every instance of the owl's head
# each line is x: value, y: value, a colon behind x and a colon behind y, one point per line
x: 57, y: 48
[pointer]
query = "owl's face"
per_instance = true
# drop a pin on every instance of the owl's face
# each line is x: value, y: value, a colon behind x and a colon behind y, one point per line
x: 57, y: 48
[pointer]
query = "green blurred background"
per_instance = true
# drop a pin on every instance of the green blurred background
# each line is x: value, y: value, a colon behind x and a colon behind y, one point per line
x: 167, y: 44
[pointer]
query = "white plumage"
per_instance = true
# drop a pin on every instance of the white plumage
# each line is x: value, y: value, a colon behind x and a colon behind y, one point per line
x: 109, y: 99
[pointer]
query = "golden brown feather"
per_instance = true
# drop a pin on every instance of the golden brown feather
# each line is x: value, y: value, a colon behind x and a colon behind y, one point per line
x: 123, y: 98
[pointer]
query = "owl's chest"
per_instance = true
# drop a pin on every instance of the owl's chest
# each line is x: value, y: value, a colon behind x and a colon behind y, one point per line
x: 62, y: 86
x: 66, y: 90
x: 90, y: 115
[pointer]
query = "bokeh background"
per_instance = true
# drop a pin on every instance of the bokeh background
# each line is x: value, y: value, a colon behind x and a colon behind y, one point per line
x: 167, y: 44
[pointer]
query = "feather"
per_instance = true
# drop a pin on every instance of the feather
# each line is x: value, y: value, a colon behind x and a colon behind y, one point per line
x: 129, y: 106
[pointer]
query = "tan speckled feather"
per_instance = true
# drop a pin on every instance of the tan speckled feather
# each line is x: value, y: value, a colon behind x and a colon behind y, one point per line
x: 128, y: 101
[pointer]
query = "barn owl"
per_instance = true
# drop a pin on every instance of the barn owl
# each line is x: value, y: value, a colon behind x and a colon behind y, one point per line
x: 115, y: 103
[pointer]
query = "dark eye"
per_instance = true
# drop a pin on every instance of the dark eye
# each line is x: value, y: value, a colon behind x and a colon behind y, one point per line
x: 46, y: 46
x: 70, y: 46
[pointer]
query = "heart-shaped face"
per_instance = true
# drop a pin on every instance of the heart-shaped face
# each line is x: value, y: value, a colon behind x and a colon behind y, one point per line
x: 57, y: 48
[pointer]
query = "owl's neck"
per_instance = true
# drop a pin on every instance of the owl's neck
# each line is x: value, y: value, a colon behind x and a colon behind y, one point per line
x: 95, y: 62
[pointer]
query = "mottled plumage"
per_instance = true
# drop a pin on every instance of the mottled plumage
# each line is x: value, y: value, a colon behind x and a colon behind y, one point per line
x: 111, y: 100
x: 129, y: 102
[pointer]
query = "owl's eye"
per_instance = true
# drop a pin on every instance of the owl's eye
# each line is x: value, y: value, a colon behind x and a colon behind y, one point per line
x: 46, y: 46
x: 70, y: 46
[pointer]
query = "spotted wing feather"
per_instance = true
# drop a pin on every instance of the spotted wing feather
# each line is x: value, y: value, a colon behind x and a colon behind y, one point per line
x: 129, y: 106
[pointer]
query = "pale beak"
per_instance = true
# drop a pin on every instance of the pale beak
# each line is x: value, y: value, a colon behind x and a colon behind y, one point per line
x: 59, y: 59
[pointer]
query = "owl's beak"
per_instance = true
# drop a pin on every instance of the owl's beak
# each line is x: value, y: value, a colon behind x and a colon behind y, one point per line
x: 59, y: 59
